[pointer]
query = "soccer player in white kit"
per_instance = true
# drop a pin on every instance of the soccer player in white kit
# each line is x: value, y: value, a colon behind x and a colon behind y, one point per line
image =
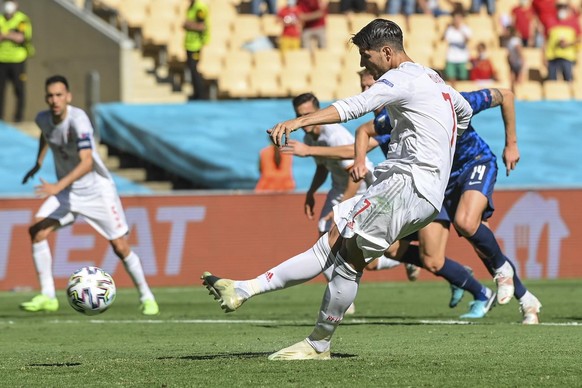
x: 84, y: 188
x: 426, y: 116
x: 342, y: 186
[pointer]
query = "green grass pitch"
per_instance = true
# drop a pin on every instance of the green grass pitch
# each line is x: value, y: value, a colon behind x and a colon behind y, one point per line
x: 402, y: 335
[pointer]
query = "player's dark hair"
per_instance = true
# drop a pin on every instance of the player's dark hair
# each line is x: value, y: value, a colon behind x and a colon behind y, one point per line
x: 305, y: 97
x: 56, y: 79
x: 378, y: 33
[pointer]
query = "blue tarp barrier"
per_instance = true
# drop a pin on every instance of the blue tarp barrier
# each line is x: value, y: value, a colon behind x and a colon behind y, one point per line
x: 217, y: 144
x: 17, y: 157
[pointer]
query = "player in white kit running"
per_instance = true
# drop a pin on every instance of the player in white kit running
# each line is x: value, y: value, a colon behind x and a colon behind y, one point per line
x: 342, y: 186
x: 84, y: 188
x: 426, y: 116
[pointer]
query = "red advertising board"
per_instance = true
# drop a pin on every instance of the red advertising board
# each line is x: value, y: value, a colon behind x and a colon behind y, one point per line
x: 242, y: 235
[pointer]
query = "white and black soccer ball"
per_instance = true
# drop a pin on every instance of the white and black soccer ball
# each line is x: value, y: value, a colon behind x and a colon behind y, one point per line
x: 91, y: 290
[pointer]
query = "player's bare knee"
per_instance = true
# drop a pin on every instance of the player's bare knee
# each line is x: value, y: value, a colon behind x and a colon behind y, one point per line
x: 431, y: 264
x: 465, y: 226
x: 121, y: 248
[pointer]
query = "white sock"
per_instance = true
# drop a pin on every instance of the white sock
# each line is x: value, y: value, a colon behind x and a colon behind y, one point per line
x: 528, y: 296
x: 133, y: 267
x: 385, y: 263
x: 43, y: 261
x: 340, y: 293
x: 296, y: 270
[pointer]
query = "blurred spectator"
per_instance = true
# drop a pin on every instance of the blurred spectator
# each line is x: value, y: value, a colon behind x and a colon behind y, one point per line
x: 15, y: 48
x: 405, y: 7
x: 515, y: 57
x: 432, y: 7
x: 256, y: 6
x: 562, y: 42
x: 276, y: 169
x: 313, y: 16
x: 523, y: 19
x: 349, y: 6
x: 457, y: 36
x: 290, y: 38
x: 545, y: 11
x: 477, y: 4
x: 197, y: 36
x: 481, y: 67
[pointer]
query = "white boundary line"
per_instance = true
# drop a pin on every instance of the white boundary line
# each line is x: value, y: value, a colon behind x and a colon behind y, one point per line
x: 269, y: 322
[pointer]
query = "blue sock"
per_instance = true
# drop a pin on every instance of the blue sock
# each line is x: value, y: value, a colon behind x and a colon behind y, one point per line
x: 520, y: 289
x: 458, y: 275
x: 484, y: 240
x: 412, y: 256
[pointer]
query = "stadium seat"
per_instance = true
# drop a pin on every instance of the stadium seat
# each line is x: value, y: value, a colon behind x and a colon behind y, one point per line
x: 347, y: 88
x: 529, y: 91
x: 482, y: 30
x: 156, y: 31
x: 466, y: 86
x: 295, y: 83
x: 320, y: 79
x: 134, y: 12
x: 245, y: 29
x: 268, y: 61
x: 498, y: 57
x: 238, y: 60
x: 296, y: 58
x: 439, y: 56
x: 577, y: 88
x: 351, y: 60
x: 534, y: 67
x: 266, y: 84
x: 557, y: 90
x: 337, y: 25
x: 164, y: 9
x: 442, y: 22
x: 358, y: 20
x: 233, y: 84
x: 211, y: 64
x: 329, y: 60
x: 270, y: 25
x: 398, y: 19
x: 421, y: 24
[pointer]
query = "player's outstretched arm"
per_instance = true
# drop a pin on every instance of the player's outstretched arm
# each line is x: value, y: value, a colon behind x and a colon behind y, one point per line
x: 85, y: 165
x: 328, y: 115
x: 506, y: 99
x: 42, y: 150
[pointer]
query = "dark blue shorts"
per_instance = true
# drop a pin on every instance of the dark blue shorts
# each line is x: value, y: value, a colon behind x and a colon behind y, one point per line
x: 480, y: 176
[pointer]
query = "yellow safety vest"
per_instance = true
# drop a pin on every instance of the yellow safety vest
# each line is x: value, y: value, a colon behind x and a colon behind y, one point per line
x: 194, y: 39
x: 11, y: 52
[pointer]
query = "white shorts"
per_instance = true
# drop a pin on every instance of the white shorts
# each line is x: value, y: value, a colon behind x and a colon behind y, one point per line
x: 101, y: 209
x: 390, y: 210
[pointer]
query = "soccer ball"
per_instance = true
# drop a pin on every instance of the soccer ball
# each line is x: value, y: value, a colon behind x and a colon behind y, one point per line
x: 91, y: 290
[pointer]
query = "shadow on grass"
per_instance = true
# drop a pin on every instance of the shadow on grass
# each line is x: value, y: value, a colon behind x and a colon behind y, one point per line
x: 245, y: 355
x: 57, y: 364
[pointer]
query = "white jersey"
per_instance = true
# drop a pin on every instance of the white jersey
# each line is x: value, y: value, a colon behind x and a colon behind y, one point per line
x: 65, y: 140
x: 426, y: 116
x: 333, y: 135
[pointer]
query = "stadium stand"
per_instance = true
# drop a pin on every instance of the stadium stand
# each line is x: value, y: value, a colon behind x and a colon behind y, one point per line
x: 156, y: 26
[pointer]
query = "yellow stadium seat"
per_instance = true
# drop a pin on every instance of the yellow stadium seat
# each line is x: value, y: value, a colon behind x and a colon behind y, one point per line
x: 398, y: 19
x: 211, y: 64
x: 442, y: 22
x: 134, y: 12
x: 246, y: 28
x: 297, y: 58
x: 175, y: 46
x: 358, y: 20
x: 268, y: 61
x: 534, y: 67
x: 557, y: 90
x: 337, y: 25
x: 577, y: 89
x: 421, y: 24
x: 235, y: 85
x: 351, y: 60
x: 347, y: 89
x: 164, y: 9
x: 529, y: 91
x: 324, y: 90
x: 266, y: 84
x: 295, y: 83
x: 238, y: 60
x: 270, y: 25
x: 319, y: 78
x: 482, y: 30
x: 331, y: 61
x: 156, y: 31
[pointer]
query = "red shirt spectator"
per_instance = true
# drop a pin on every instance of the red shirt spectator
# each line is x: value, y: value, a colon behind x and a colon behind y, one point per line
x: 545, y: 10
x: 523, y: 17
x: 310, y: 7
x: 482, y: 69
x: 289, y: 15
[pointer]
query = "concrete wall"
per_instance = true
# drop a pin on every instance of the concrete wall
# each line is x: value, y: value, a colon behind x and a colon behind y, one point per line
x: 72, y: 43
